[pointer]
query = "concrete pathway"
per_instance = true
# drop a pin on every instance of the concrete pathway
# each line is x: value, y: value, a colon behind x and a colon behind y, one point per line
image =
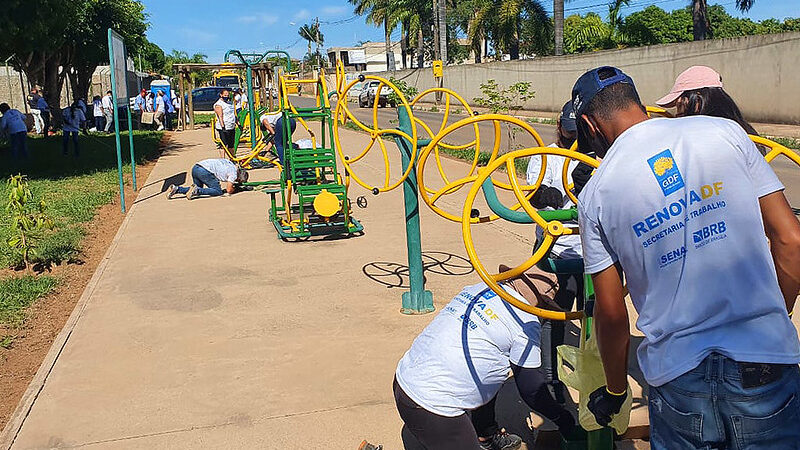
x: 203, y: 330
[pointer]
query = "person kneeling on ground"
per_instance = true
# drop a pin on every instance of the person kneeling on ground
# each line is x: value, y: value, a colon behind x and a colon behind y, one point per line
x: 212, y: 178
x: 446, y: 384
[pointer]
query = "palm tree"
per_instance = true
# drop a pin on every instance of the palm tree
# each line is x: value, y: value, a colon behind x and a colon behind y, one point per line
x: 410, y: 15
x: 479, y: 25
x: 509, y: 17
x: 379, y: 12
x: 701, y: 27
x: 607, y: 34
x: 311, y: 34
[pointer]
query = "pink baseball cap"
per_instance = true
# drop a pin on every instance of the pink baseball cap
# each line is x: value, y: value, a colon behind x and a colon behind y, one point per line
x: 694, y: 77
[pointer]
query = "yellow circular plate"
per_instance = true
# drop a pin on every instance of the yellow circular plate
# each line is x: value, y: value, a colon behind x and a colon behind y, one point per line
x: 326, y: 204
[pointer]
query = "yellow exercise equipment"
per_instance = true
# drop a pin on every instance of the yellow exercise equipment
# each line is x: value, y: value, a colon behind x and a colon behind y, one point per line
x: 342, y: 115
x: 431, y: 196
x: 552, y: 229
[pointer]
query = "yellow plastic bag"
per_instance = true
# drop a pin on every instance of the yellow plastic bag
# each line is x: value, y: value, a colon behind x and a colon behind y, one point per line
x: 582, y: 369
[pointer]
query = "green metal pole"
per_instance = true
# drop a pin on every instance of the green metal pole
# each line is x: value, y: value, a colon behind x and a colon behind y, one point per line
x: 417, y: 300
x: 116, y: 122
x: 602, y: 439
x: 250, y: 106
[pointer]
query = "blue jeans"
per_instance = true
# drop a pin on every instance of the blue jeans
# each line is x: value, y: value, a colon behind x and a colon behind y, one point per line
x: 278, y: 138
x: 202, y: 177
x: 65, y: 142
x: 708, y: 407
x: 19, y: 144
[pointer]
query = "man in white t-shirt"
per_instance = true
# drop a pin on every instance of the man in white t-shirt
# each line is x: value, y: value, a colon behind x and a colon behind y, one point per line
x: 681, y: 207
x: 461, y: 359
x: 161, y: 110
x: 550, y: 195
x: 211, y: 178
x: 226, y: 121
x: 108, y: 111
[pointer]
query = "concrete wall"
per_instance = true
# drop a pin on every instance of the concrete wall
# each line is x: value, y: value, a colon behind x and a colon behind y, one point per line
x: 760, y: 72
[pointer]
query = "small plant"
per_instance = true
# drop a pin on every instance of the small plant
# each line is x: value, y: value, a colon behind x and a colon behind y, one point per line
x: 28, y: 219
x: 505, y: 101
x: 457, y: 111
x: 434, y: 109
x: 408, y: 91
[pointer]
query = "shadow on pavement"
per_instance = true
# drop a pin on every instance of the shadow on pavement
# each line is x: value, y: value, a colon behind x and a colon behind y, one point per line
x: 177, y: 179
x: 395, y: 275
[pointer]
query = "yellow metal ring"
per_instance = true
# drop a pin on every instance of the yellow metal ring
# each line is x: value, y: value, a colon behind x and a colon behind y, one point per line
x: 342, y: 113
x: 551, y: 231
x: 430, y: 196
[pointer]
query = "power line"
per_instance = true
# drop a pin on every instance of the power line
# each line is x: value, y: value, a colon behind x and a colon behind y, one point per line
x: 339, y: 22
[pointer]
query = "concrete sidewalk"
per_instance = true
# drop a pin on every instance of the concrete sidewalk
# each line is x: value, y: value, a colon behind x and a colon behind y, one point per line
x: 203, y: 330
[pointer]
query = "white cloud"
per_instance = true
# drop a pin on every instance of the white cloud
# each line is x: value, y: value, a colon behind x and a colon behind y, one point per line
x: 334, y: 10
x: 259, y: 18
x: 302, y: 14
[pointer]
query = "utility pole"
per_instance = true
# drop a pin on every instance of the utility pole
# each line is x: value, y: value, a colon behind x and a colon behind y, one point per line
x: 558, y: 22
x: 442, y: 26
x: 436, y: 46
x: 316, y: 40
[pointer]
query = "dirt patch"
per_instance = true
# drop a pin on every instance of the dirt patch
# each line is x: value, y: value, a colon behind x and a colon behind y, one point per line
x: 47, y: 316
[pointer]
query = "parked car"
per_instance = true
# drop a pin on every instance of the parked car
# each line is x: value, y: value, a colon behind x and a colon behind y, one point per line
x: 366, y: 98
x: 203, y: 98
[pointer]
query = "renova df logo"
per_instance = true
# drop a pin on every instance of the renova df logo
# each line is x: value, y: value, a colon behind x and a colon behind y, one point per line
x: 666, y: 172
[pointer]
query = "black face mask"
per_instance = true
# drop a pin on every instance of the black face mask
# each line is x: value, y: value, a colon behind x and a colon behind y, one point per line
x: 226, y: 99
x: 591, y: 145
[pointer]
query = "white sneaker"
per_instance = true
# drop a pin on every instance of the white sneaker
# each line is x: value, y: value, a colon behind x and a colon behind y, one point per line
x: 171, y: 191
x: 160, y: 128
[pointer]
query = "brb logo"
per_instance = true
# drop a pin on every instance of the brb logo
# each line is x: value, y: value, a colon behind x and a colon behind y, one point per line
x: 666, y: 172
x: 709, y: 232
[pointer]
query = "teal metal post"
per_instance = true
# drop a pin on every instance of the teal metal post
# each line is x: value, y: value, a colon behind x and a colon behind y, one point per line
x: 116, y: 120
x: 417, y: 300
x: 251, y: 106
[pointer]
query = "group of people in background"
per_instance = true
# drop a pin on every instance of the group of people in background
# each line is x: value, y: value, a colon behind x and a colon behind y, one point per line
x: 77, y: 118
x: 160, y: 103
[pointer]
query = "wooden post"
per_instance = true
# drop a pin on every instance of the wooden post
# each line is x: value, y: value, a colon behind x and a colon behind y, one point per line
x: 191, y: 103
x: 182, y: 112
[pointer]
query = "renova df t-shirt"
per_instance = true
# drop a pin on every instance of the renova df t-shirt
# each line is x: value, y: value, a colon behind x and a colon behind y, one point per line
x: 461, y: 359
x: 675, y: 201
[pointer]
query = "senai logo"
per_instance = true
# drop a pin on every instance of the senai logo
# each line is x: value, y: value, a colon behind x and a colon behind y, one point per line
x: 666, y: 172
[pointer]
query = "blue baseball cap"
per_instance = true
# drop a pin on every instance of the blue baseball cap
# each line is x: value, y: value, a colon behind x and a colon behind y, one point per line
x: 589, y: 84
x: 567, y: 118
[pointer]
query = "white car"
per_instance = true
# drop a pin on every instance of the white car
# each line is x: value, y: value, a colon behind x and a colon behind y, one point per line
x: 366, y: 98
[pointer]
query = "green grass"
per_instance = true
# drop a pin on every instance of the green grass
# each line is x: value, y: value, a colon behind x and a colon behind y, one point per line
x: 16, y: 294
x: 787, y: 142
x: 203, y: 119
x: 73, y: 189
x: 468, y: 155
x: 544, y: 120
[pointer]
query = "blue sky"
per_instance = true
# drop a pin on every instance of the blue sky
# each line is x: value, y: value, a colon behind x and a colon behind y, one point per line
x: 213, y: 27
